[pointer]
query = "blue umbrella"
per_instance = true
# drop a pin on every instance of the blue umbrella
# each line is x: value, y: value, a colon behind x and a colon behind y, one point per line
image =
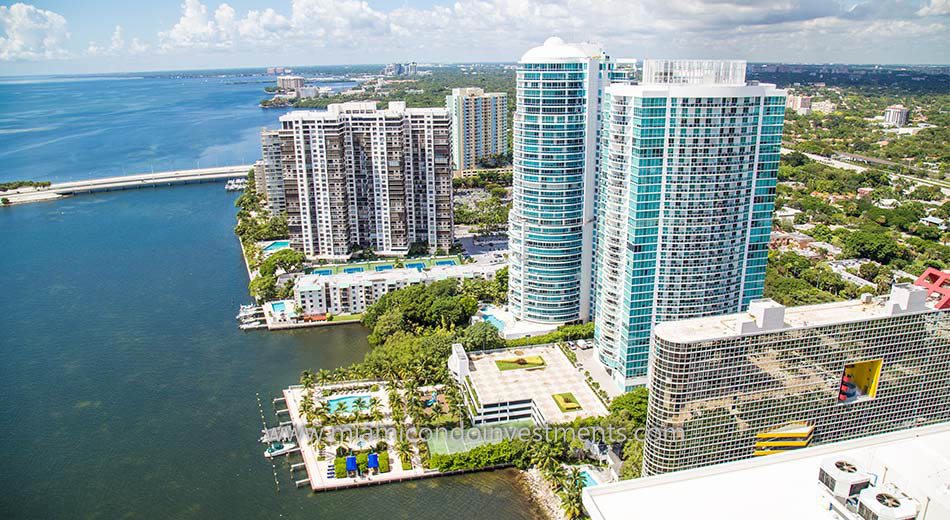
x: 373, y: 461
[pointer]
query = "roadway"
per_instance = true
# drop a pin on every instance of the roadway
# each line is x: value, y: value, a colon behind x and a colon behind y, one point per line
x: 124, y: 182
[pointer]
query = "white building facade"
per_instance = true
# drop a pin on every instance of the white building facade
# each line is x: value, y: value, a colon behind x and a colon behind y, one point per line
x: 686, y: 190
x: 357, y: 175
x: 352, y: 293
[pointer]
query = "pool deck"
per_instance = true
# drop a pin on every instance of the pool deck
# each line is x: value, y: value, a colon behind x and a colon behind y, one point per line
x: 317, y: 469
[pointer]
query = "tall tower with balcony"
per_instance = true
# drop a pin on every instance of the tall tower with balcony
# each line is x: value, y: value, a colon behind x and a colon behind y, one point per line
x: 559, y: 88
x: 686, y: 189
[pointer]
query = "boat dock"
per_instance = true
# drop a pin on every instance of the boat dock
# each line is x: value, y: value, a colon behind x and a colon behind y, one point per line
x: 126, y: 182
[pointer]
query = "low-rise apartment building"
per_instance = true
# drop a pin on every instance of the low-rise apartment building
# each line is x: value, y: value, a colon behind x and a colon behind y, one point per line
x: 352, y: 293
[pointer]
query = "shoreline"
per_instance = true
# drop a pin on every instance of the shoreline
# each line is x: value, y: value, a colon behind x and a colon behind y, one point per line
x: 541, y: 495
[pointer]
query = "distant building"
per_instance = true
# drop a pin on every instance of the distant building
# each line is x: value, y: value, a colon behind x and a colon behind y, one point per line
x: 312, y: 92
x: 787, y: 214
x: 895, y: 115
x: 358, y: 175
x: 400, y: 69
x: 479, y: 125
x: 777, y: 379
x: 823, y: 107
x: 352, y: 293
x: 288, y: 83
x: 800, y: 104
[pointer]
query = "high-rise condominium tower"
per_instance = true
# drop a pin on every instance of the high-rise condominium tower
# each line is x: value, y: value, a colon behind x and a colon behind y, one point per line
x: 359, y: 175
x: 687, y: 178
x: 269, y: 172
x: 552, y: 216
x: 479, y: 125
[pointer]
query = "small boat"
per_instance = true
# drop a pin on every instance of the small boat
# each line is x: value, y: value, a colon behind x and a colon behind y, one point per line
x: 277, y: 449
x: 248, y: 325
x: 248, y: 311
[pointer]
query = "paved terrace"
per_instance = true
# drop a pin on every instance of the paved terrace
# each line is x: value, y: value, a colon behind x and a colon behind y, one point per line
x: 558, y: 376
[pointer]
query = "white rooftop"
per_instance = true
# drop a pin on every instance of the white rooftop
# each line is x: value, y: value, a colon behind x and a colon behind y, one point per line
x: 555, y: 50
x: 805, y: 316
x: 785, y: 486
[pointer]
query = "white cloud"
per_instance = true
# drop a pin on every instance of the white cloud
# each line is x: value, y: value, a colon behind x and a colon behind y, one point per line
x: 116, y: 44
x: 806, y: 30
x: 31, y: 33
x: 222, y: 30
x: 935, y: 8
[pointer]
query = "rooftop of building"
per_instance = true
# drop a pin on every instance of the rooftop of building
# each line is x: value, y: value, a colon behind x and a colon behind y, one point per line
x: 413, y: 272
x: 335, y: 110
x: 765, y: 316
x: 786, y: 486
x: 694, y: 72
x: 556, y: 50
x: 554, y: 375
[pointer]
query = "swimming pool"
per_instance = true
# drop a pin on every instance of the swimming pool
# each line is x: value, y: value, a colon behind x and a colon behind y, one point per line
x: 445, y: 262
x: 416, y: 265
x: 278, y: 307
x: 322, y: 272
x: 347, y: 403
x: 498, y: 324
x: 588, y: 479
x: 351, y: 270
x: 274, y: 246
x: 384, y: 268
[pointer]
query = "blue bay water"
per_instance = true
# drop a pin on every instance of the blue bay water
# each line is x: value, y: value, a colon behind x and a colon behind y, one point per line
x: 72, y: 128
x: 128, y: 389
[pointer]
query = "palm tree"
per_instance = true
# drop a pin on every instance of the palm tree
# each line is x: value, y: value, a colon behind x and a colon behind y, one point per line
x: 404, y: 449
x: 359, y: 404
x: 307, y: 379
x: 571, y: 494
x: 557, y: 476
x: 323, y: 376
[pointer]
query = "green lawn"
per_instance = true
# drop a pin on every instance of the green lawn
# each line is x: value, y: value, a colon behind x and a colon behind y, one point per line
x: 567, y: 402
x: 519, y: 363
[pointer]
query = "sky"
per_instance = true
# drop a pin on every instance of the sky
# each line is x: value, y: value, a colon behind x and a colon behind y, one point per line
x: 98, y: 36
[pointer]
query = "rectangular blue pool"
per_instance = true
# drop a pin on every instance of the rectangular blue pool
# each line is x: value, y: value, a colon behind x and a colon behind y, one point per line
x: 416, y: 265
x: 279, y: 306
x: 322, y: 272
x: 351, y: 270
x: 345, y: 404
x: 384, y: 268
x: 445, y: 262
x: 274, y: 246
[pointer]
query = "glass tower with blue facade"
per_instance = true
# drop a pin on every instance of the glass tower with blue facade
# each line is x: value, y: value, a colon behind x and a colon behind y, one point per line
x: 685, y: 194
x: 559, y: 88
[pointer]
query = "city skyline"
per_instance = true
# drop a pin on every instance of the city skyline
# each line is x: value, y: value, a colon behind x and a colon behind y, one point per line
x: 59, y: 37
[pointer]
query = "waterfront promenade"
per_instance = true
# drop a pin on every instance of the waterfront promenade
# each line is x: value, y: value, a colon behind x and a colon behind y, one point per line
x: 125, y: 182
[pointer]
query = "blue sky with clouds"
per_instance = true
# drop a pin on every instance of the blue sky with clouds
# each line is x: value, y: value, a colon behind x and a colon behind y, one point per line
x: 120, y: 35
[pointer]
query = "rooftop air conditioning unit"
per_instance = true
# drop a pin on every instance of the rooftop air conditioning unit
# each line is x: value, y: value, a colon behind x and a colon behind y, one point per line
x: 843, y: 477
x: 886, y: 503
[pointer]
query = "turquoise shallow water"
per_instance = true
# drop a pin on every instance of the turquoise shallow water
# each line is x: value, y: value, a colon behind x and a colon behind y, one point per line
x: 128, y: 390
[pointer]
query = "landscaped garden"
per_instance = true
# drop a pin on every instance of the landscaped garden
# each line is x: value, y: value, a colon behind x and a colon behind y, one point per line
x: 519, y: 363
x: 567, y: 402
